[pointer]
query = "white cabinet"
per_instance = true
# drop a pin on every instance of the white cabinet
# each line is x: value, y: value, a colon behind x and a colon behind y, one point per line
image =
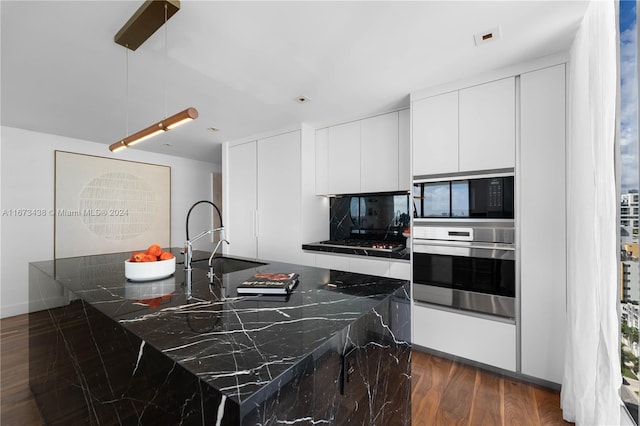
x: 343, y: 158
x: 369, y: 266
x: 279, y: 219
x: 330, y: 261
x: 360, y: 264
x: 241, y: 178
x: 487, y: 126
x: 263, y: 202
x: 322, y: 161
x: 364, y: 156
x: 435, y: 134
x: 477, y: 339
x: 379, y: 153
x: 541, y: 215
x: 470, y: 129
x: 404, y: 150
x: 400, y: 270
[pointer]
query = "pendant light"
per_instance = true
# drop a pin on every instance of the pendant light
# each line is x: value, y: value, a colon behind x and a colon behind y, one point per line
x: 161, y: 126
x: 146, y: 21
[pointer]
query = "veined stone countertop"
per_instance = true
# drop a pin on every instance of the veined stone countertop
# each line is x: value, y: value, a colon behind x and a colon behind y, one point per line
x: 251, y: 359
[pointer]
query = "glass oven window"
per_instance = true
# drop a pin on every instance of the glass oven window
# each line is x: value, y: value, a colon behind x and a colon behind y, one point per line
x: 490, y: 276
x: 460, y: 198
x: 437, y: 198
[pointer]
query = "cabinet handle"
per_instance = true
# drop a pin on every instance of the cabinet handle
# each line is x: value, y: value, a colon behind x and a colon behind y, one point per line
x: 459, y: 233
x: 256, y: 225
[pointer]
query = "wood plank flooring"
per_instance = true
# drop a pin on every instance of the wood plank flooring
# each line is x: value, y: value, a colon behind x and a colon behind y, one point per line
x: 444, y: 392
x: 17, y: 406
x: 449, y: 393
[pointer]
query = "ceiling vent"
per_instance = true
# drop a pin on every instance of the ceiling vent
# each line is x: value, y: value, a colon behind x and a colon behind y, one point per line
x: 487, y: 36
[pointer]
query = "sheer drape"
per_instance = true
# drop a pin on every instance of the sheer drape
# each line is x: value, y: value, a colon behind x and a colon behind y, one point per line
x: 592, y: 363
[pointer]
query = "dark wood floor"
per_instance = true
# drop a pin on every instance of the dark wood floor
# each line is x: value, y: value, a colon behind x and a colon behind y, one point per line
x: 449, y: 393
x: 444, y: 392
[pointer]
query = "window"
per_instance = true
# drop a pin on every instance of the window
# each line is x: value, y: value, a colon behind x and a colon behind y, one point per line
x: 630, y: 277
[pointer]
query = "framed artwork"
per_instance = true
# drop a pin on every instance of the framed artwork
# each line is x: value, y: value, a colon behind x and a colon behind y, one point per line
x: 105, y: 205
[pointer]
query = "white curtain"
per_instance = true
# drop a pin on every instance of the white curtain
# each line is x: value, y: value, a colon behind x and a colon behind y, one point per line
x: 592, y: 375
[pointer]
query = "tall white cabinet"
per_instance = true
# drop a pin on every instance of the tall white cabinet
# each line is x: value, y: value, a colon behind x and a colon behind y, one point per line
x: 541, y: 218
x: 240, y: 210
x: 263, y: 203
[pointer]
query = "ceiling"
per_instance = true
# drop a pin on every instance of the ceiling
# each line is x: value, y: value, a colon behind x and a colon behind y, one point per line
x: 243, y: 64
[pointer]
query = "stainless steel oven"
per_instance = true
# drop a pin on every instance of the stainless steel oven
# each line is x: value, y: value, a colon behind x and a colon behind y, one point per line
x: 466, y: 265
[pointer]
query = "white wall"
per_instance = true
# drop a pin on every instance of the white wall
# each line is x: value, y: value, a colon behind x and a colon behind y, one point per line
x: 27, y: 182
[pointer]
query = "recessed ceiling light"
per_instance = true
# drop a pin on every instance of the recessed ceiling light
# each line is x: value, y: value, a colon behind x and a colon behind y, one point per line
x: 212, y: 129
x: 487, y: 36
x: 303, y: 99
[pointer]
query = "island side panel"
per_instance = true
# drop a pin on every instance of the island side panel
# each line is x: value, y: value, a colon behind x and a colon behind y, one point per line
x: 360, y: 376
x: 84, y: 368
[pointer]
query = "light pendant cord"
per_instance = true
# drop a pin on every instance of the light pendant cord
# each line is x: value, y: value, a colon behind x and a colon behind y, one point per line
x: 166, y: 61
x: 126, y: 90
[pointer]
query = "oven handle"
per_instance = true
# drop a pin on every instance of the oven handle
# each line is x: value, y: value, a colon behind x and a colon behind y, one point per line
x: 485, y: 251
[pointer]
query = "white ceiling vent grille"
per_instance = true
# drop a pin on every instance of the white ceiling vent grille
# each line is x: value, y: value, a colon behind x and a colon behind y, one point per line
x: 487, y: 36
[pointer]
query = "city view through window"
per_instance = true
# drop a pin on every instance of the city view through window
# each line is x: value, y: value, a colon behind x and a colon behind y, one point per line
x: 629, y: 273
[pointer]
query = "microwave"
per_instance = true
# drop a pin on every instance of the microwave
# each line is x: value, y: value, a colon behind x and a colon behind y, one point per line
x: 470, y: 197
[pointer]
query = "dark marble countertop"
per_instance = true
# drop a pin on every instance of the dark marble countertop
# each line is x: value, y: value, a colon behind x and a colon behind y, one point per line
x: 404, y: 254
x: 239, y: 345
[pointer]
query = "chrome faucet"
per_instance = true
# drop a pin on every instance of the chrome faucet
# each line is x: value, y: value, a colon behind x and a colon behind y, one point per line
x: 188, y: 255
x: 188, y: 246
x: 222, y: 240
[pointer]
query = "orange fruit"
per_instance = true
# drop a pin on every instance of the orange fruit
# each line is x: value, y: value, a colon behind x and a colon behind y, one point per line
x: 136, y: 256
x: 149, y: 258
x: 165, y: 255
x: 154, y: 250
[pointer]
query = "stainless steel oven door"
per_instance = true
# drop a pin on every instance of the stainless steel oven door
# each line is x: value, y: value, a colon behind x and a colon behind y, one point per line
x: 478, y: 277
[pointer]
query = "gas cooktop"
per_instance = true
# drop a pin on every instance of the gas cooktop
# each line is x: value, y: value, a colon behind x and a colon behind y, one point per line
x: 365, y: 244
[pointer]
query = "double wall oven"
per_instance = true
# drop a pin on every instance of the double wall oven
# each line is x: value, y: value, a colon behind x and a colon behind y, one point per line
x: 464, y: 243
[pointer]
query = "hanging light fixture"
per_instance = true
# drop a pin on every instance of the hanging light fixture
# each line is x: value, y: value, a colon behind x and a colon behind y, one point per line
x: 146, y: 21
x: 161, y: 126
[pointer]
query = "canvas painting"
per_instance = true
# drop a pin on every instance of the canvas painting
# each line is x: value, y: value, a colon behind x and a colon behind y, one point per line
x: 104, y: 205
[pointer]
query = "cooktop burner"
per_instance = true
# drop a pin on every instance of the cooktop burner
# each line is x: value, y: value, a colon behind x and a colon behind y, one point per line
x: 365, y: 244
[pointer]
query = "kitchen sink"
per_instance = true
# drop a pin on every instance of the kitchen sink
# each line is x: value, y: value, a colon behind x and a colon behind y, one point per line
x: 226, y: 265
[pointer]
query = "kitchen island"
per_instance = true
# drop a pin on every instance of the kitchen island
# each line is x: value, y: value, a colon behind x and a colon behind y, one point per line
x: 104, y: 350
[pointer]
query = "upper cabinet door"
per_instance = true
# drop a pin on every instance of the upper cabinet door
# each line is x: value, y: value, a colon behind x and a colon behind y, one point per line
x: 344, y: 158
x: 379, y: 153
x: 242, y: 199
x: 488, y: 126
x: 404, y: 150
x: 435, y: 134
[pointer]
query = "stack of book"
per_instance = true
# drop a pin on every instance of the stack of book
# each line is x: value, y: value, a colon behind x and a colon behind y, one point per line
x: 269, y: 283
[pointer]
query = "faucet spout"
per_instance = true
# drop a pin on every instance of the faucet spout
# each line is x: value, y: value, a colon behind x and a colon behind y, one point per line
x: 210, y: 274
x: 195, y: 204
x: 188, y: 245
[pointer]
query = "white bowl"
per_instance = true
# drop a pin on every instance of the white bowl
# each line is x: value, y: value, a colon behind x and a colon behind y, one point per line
x: 147, y: 271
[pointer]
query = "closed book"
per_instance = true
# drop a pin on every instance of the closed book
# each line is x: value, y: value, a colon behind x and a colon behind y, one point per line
x: 269, y: 283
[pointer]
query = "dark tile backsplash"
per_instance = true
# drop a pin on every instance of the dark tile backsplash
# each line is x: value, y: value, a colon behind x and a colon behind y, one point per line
x: 380, y: 217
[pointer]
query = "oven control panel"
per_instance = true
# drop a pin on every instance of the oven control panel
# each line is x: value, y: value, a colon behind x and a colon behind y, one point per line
x: 443, y: 233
